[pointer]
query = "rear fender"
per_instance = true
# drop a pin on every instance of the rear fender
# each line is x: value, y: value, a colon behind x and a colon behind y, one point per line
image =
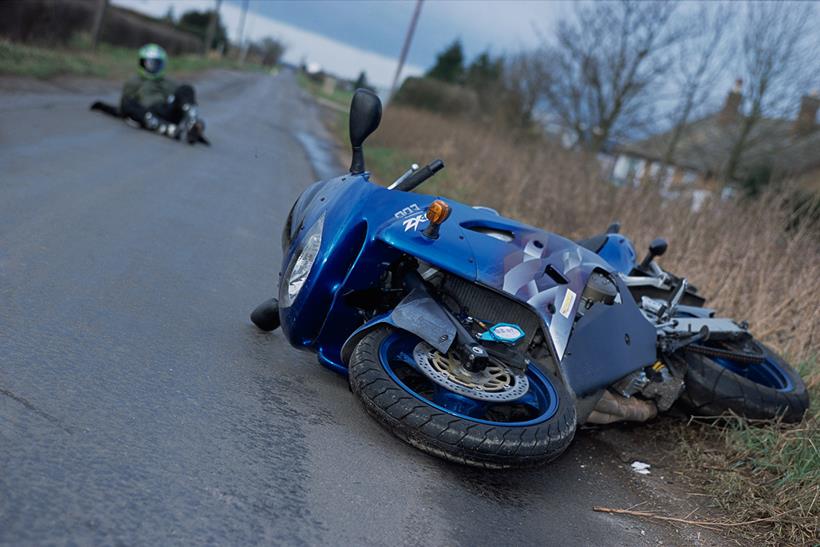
x: 418, y: 314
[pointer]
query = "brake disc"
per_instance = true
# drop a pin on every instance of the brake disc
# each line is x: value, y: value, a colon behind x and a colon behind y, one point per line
x: 496, y: 382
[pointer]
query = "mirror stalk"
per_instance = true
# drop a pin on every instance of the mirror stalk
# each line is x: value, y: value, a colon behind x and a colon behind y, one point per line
x: 357, y: 163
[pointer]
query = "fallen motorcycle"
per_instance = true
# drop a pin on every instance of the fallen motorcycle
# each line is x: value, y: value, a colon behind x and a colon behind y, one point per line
x: 486, y: 341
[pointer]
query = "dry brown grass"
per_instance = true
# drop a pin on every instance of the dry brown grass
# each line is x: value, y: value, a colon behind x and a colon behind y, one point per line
x: 738, y: 253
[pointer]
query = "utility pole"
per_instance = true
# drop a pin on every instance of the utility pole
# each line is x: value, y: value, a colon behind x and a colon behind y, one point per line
x: 241, y: 31
x: 408, y: 39
x: 209, y: 35
x: 248, y: 42
x: 99, y: 14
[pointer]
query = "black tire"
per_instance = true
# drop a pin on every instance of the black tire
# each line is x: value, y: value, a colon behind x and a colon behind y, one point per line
x: 446, y: 435
x: 713, y: 390
x: 266, y: 315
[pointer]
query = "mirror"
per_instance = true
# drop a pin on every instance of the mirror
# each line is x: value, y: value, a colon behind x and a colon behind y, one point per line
x: 658, y: 247
x: 365, y: 115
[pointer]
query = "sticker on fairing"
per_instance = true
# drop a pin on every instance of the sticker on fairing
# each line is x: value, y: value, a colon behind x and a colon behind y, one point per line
x: 569, y: 300
x: 413, y: 223
x: 409, y: 210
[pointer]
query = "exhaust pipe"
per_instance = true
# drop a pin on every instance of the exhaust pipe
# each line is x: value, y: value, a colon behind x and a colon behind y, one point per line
x: 615, y: 408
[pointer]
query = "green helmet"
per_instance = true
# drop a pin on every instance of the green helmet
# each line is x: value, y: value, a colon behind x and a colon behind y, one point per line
x: 152, y: 61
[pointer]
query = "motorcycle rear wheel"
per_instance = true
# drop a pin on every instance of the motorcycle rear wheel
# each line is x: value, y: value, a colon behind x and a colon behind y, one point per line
x: 716, y: 385
x: 455, y: 428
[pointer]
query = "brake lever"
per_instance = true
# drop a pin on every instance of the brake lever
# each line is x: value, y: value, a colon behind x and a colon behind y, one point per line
x: 413, y: 168
x: 419, y: 176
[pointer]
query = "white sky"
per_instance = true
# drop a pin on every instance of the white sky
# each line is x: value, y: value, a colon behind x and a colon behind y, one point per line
x: 338, y: 58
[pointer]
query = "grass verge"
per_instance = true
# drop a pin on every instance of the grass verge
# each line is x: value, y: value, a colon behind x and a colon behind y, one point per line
x: 385, y: 163
x: 767, y: 474
x: 107, y: 62
x: 337, y: 97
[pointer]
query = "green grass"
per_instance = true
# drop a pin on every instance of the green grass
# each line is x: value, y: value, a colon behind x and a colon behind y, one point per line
x: 384, y: 163
x: 387, y: 164
x: 340, y: 97
x: 765, y: 471
x: 78, y: 59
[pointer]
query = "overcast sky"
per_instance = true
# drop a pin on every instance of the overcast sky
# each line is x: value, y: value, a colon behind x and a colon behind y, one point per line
x: 346, y: 37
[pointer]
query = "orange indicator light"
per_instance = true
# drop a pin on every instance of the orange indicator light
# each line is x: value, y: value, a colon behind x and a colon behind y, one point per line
x: 438, y: 211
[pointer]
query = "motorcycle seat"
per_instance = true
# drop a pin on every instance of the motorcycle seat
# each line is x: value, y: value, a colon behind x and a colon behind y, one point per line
x: 594, y: 243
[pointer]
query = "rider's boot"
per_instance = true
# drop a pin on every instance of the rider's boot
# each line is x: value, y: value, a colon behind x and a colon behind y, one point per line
x: 192, y: 127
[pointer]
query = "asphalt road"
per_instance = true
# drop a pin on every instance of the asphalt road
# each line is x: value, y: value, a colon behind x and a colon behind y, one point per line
x: 138, y: 405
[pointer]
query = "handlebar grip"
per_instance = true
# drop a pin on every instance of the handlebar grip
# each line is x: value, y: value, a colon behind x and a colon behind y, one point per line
x: 420, y: 176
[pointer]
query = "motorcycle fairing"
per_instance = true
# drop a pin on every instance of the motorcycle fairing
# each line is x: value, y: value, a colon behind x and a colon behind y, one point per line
x: 619, y: 253
x: 516, y: 265
x: 523, y: 272
x: 367, y: 228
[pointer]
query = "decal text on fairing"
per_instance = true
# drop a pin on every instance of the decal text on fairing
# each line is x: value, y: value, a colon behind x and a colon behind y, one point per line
x: 413, y: 223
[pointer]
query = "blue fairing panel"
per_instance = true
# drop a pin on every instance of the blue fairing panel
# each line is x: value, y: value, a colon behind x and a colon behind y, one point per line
x: 451, y: 251
x: 619, y: 253
x: 608, y: 343
x: 544, y: 270
x: 366, y: 228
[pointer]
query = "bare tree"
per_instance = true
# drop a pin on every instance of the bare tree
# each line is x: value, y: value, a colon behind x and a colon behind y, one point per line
x: 699, y: 61
x: 601, y: 68
x: 779, y: 52
x: 523, y: 78
x: 268, y: 50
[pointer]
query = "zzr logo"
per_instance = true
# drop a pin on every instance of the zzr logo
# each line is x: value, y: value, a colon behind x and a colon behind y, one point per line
x: 413, y: 223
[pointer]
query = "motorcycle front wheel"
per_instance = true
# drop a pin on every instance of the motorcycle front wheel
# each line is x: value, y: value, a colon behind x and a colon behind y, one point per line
x: 529, y: 430
x: 765, y: 390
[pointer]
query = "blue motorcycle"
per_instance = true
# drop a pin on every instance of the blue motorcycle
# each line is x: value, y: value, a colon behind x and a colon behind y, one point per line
x: 486, y: 341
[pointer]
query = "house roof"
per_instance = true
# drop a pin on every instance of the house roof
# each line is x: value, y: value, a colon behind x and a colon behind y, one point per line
x: 705, y: 146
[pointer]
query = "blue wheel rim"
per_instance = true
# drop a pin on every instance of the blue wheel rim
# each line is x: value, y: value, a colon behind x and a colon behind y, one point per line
x: 768, y: 373
x: 538, y: 405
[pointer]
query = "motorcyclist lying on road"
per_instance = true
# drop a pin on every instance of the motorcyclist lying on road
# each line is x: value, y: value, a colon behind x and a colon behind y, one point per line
x: 158, y: 103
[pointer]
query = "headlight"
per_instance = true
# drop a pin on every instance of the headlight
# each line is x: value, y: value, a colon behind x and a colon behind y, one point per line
x: 300, y: 270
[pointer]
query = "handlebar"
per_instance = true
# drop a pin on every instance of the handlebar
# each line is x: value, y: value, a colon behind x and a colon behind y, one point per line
x: 419, y: 176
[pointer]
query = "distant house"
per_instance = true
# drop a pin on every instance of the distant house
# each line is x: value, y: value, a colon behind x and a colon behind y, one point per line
x: 777, y: 148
